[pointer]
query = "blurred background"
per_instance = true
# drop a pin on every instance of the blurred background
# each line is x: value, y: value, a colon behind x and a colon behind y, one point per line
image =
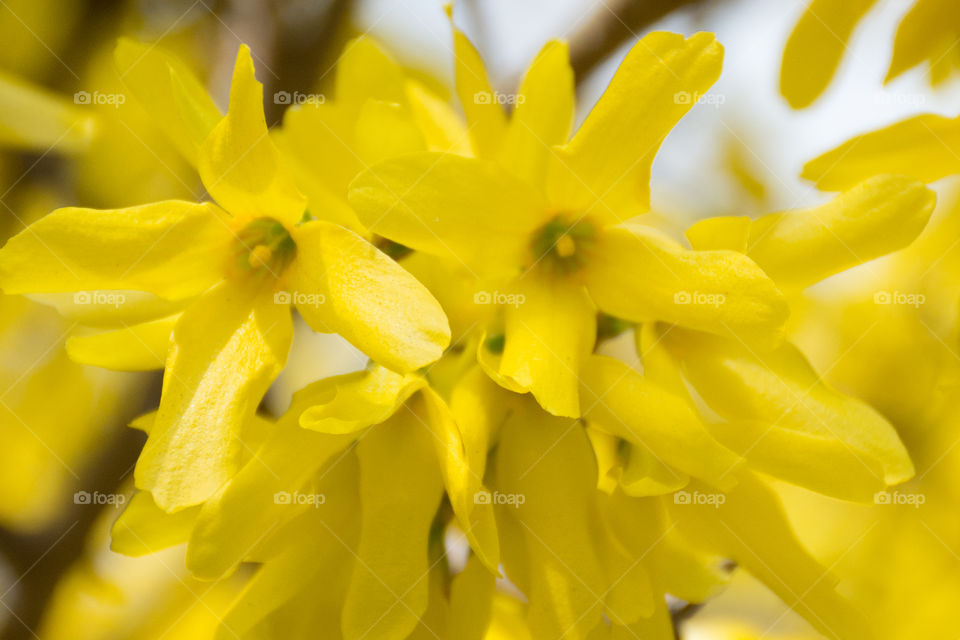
x: 66, y: 455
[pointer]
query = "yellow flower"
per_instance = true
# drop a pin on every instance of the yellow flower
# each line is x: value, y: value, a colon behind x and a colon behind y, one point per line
x: 234, y: 276
x: 376, y: 113
x: 543, y: 216
x: 927, y: 33
x: 378, y: 450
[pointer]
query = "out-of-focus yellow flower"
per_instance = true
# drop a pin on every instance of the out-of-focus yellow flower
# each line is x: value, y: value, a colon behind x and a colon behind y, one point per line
x: 543, y: 216
x: 376, y: 113
x: 928, y: 33
x: 106, y: 596
x: 234, y: 275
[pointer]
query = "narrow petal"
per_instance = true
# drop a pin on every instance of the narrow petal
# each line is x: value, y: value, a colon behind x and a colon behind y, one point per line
x: 928, y: 32
x: 443, y: 128
x: 360, y: 400
x: 400, y: 490
x: 486, y: 120
x: 607, y: 163
x: 471, y: 601
x: 139, y: 347
x: 781, y: 389
x: 879, y: 216
x: 620, y: 400
x: 366, y: 72
x: 226, y: 350
x: 465, y: 209
x: 816, y: 47
x: 462, y: 482
x: 317, y: 138
x: 246, y: 509
x: 549, y: 332
x: 239, y: 164
x: 545, y: 466
x: 638, y: 274
x: 751, y: 528
x: 543, y: 114
x: 922, y: 147
x: 33, y: 120
x: 385, y: 130
x: 173, y: 249
x: 144, y: 528
x: 170, y: 93
x: 345, y: 285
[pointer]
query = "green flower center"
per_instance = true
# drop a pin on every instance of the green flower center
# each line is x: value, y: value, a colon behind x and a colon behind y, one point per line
x: 562, y: 245
x: 264, y: 246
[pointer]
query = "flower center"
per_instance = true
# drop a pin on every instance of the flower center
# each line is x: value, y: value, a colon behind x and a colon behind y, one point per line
x: 263, y: 246
x: 563, y: 244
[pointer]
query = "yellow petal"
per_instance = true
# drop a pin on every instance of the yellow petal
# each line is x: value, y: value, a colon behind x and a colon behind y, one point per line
x: 462, y: 481
x: 247, y: 508
x: 486, y: 120
x: 360, y: 400
x: 751, y: 528
x: 922, y: 147
x: 139, y: 347
x: 644, y: 474
x: 33, y: 120
x: 927, y: 32
x: 465, y: 209
x: 366, y: 297
x: 442, y: 127
x: 545, y: 465
x: 306, y: 568
x: 638, y: 274
x: 366, y: 72
x: 721, y: 232
x: 543, y: 115
x: 386, y: 130
x: 816, y: 46
x: 606, y: 166
x: 827, y: 465
x: 226, y: 350
x: 471, y: 601
x: 618, y: 399
x: 144, y: 528
x: 549, y: 332
x: 169, y: 92
x: 239, y: 164
x: 879, y: 216
x: 781, y: 389
x: 173, y: 249
x: 317, y: 138
x: 400, y: 489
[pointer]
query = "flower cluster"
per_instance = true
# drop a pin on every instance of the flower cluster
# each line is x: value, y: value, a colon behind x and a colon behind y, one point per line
x: 484, y: 260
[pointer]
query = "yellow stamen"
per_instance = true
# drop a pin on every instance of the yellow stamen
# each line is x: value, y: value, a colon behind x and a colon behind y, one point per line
x: 565, y: 246
x: 260, y: 256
